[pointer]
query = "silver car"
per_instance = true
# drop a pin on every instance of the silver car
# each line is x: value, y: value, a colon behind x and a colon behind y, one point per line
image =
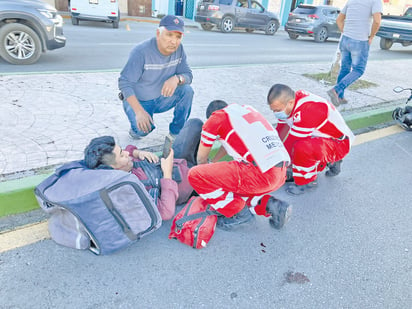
x: 318, y: 22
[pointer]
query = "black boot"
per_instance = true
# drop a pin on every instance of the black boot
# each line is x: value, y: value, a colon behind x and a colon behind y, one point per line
x: 241, y: 217
x: 280, y: 211
x: 334, y: 169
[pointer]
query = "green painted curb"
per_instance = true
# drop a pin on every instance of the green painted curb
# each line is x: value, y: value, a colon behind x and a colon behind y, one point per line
x: 17, y: 196
x: 360, y: 120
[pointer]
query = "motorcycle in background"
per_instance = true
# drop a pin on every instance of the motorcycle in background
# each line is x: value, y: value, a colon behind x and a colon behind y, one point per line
x: 403, y: 116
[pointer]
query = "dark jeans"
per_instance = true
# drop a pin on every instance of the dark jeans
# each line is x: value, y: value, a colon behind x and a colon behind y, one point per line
x: 187, y: 141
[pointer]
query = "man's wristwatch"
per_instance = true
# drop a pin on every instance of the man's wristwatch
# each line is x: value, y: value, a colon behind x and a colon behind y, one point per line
x: 180, y: 78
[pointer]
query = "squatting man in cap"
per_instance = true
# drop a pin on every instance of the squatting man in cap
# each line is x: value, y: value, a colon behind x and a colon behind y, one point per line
x: 313, y: 132
x: 157, y: 78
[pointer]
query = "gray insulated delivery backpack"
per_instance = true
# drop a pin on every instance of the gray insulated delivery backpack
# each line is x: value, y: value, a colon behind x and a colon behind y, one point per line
x: 103, y: 210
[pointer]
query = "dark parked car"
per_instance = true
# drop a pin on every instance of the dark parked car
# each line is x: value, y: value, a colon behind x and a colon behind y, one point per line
x: 228, y: 14
x: 28, y: 28
x: 318, y: 22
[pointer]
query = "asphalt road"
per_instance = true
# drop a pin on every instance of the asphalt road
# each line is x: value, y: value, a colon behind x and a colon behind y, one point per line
x: 97, y: 46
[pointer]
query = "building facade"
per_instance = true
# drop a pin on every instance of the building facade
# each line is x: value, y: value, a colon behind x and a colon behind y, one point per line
x: 187, y: 8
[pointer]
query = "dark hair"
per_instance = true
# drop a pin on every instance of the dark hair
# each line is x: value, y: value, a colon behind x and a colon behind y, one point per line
x: 280, y: 92
x: 214, y: 106
x: 100, y: 152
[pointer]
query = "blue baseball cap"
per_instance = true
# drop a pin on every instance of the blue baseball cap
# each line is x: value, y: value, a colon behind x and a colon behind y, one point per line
x: 172, y: 23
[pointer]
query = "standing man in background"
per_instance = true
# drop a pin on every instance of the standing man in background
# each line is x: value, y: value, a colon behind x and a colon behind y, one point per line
x: 157, y: 78
x: 358, y: 21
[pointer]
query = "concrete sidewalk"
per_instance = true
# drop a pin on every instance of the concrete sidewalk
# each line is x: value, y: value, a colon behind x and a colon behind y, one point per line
x: 48, y: 119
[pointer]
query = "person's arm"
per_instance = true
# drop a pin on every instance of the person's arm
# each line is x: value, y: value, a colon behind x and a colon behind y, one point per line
x: 143, y: 119
x: 220, y: 154
x: 142, y: 154
x: 169, y: 189
x: 129, y: 77
x: 376, y: 23
x: 166, y: 204
x: 184, y: 70
x: 312, y: 116
x: 203, y: 154
x: 340, y: 21
x: 183, y: 75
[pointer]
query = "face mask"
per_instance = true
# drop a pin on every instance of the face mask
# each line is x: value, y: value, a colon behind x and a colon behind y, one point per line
x: 281, y: 115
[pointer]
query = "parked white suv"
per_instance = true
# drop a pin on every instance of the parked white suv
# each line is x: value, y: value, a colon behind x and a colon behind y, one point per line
x: 28, y: 28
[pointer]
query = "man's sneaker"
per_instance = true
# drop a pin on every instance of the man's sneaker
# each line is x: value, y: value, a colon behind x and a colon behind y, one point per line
x: 334, y: 169
x: 280, y: 212
x: 133, y: 135
x: 333, y: 97
x: 343, y: 101
x: 294, y: 189
x: 227, y: 224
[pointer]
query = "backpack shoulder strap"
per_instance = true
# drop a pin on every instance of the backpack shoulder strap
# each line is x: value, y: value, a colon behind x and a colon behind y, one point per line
x: 208, y: 212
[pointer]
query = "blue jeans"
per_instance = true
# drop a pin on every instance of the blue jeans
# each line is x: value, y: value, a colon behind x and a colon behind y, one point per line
x: 354, y: 55
x: 181, y: 101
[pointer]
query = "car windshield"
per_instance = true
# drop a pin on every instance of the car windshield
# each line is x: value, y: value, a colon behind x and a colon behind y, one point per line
x: 305, y: 10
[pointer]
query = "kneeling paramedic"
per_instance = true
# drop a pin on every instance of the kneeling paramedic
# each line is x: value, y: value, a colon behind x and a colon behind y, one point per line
x: 259, y: 166
x: 314, y: 133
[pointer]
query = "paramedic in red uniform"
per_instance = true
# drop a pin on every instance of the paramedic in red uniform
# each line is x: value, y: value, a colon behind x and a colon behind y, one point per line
x: 313, y: 132
x: 259, y: 165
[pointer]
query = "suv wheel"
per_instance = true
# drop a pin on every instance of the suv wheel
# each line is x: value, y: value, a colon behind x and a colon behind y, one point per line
x: 293, y: 36
x: 272, y: 27
x: 116, y: 22
x: 206, y: 27
x: 227, y: 24
x: 75, y: 21
x: 19, y: 44
x: 385, y: 43
x: 321, y: 35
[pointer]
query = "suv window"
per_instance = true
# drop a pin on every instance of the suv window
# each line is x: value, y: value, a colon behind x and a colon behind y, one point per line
x: 242, y: 4
x: 328, y: 12
x: 226, y: 2
x: 305, y: 10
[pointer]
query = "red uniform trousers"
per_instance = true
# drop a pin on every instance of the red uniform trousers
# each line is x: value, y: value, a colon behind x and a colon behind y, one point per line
x: 229, y: 186
x: 311, y: 154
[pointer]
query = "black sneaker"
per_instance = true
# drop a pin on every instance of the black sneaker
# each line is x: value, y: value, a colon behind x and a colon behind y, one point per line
x: 294, y: 189
x: 280, y: 212
x: 228, y: 224
x: 334, y: 169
